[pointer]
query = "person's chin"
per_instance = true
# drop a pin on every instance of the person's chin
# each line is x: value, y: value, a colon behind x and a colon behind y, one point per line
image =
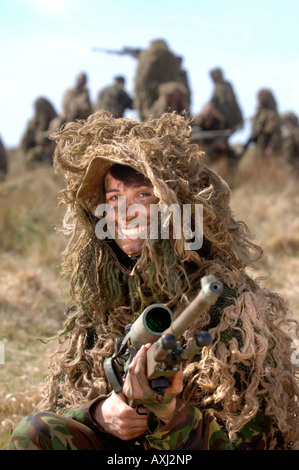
x: 131, y: 249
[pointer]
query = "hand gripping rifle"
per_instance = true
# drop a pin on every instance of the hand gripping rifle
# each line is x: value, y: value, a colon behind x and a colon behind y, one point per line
x: 156, y: 325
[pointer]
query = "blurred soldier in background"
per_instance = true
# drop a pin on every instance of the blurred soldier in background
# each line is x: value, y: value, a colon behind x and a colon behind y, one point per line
x: 76, y: 102
x: 3, y: 162
x: 209, y: 119
x: 35, y: 145
x: 266, y: 132
x: 156, y: 65
x: 290, y: 140
x: 182, y: 77
x: 172, y: 96
x: 114, y: 98
x: 210, y: 133
x: 225, y: 102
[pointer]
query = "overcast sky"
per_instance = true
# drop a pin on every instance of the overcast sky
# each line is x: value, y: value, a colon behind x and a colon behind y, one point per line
x: 46, y: 43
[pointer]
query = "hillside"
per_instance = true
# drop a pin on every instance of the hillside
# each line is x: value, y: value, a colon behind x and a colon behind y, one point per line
x: 264, y: 195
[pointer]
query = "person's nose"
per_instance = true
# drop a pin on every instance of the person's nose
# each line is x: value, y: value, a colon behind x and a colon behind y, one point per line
x: 130, y: 215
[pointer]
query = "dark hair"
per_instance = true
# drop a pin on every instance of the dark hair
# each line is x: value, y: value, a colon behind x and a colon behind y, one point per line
x: 119, y: 79
x: 128, y: 175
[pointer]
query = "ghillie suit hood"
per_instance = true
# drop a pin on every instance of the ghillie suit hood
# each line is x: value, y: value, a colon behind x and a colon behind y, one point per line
x: 165, y: 90
x: 268, y: 100
x: 249, y: 363
x: 266, y: 124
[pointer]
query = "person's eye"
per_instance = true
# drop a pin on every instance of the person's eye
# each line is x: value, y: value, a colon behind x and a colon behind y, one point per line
x: 145, y: 194
x: 112, y: 198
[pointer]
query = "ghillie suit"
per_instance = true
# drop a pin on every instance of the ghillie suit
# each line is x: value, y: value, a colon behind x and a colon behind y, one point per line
x: 248, y: 373
x: 76, y: 103
x: 156, y: 65
x: 113, y: 99
x: 266, y: 132
x: 225, y: 102
x: 3, y: 162
x: 210, y: 134
x: 290, y: 140
x: 35, y: 144
x: 172, y: 96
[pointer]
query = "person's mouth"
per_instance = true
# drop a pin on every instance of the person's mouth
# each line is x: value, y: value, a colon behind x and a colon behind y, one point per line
x: 137, y: 232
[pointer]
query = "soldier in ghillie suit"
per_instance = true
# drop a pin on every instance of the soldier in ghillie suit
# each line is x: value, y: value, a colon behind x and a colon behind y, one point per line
x: 290, y: 140
x: 172, y: 96
x: 243, y: 394
x: 114, y: 98
x: 225, y: 102
x: 182, y: 77
x: 35, y: 145
x: 210, y: 134
x: 156, y: 65
x: 266, y: 131
x: 3, y: 162
x: 76, y: 103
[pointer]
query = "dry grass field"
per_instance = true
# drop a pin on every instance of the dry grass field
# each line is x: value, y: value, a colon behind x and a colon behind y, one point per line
x: 263, y: 194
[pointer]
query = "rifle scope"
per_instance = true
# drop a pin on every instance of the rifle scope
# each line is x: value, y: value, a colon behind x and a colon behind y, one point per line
x: 154, y: 320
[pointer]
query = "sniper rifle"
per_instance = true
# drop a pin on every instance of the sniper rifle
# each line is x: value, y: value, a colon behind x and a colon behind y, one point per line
x: 132, y: 51
x: 156, y: 325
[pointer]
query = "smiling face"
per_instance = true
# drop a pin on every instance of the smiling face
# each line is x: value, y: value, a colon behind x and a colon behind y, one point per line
x: 122, y: 196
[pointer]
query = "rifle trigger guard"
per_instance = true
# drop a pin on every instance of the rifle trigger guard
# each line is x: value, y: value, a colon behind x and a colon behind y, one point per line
x: 160, y: 395
x: 137, y: 409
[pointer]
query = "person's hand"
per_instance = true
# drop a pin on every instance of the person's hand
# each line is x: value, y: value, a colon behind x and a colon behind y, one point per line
x: 137, y: 388
x: 116, y: 417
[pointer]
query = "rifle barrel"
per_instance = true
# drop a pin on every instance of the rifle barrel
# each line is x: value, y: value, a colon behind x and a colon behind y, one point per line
x: 211, y: 289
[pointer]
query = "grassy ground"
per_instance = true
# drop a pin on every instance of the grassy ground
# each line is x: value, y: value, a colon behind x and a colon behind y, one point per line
x: 31, y: 296
x: 264, y: 194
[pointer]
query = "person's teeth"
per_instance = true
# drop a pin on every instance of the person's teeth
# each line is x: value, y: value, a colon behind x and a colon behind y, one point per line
x: 133, y: 231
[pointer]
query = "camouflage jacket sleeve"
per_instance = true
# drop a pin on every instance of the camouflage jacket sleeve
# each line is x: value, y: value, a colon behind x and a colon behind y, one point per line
x: 83, y: 414
x: 190, y: 429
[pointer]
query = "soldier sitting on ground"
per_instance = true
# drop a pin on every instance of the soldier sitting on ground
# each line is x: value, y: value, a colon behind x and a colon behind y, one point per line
x: 240, y: 394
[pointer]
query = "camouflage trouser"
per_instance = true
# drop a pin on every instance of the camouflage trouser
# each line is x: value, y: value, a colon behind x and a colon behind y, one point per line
x: 49, y: 431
